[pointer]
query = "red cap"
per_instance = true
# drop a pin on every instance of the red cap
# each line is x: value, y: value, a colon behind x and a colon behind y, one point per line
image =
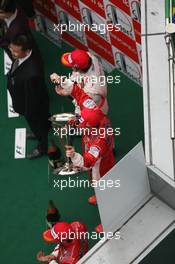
x: 92, y: 117
x: 59, y: 232
x: 76, y: 58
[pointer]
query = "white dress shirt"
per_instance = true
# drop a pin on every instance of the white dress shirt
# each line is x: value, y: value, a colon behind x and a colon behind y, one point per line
x: 20, y: 61
x: 10, y: 19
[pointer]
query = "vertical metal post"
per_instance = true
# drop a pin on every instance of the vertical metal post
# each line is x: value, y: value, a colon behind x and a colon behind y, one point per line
x: 171, y: 56
x: 171, y: 10
x: 169, y: 42
x: 167, y: 9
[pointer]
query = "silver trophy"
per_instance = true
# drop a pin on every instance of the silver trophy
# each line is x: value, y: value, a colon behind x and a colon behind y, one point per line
x: 59, y: 121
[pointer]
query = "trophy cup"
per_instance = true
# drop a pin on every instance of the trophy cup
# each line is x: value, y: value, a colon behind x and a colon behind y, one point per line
x: 59, y: 121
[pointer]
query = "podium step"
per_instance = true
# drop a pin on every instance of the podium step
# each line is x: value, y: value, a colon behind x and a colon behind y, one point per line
x: 144, y: 231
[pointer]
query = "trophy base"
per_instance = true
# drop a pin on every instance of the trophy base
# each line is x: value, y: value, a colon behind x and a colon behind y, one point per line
x: 63, y: 117
x: 67, y: 172
x: 56, y: 164
x: 66, y: 169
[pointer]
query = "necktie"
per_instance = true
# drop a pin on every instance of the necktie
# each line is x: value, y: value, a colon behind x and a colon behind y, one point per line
x: 3, y: 28
x: 15, y: 65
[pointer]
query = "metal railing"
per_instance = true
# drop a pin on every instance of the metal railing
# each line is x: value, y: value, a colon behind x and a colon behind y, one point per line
x: 170, y: 40
x: 171, y: 59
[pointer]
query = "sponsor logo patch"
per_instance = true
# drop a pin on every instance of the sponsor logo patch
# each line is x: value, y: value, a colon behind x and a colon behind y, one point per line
x: 89, y: 104
x: 94, y: 151
x: 81, y: 120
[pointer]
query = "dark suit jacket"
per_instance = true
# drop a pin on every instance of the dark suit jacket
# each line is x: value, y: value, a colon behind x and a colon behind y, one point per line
x: 28, y: 90
x: 18, y: 26
x: 27, y: 6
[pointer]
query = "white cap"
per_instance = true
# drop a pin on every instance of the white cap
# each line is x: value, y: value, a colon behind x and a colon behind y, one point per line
x: 170, y: 28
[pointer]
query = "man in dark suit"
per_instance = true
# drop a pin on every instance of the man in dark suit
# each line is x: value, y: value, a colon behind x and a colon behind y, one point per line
x: 27, y: 6
x: 29, y: 94
x: 13, y: 22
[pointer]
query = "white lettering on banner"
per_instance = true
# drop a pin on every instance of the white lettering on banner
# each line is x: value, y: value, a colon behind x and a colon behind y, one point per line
x: 94, y: 151
x: 96, y: 43
x: 124, y: 43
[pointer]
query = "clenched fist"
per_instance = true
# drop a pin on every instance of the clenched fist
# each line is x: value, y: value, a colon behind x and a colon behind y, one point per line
x: 42, y: 258
x: 55, y: 78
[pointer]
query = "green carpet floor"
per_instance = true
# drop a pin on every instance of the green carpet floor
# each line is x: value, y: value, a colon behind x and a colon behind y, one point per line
x: 26, y: 187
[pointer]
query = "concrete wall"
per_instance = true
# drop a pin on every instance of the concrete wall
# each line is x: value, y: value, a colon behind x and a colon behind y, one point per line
x: 158, y: 143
